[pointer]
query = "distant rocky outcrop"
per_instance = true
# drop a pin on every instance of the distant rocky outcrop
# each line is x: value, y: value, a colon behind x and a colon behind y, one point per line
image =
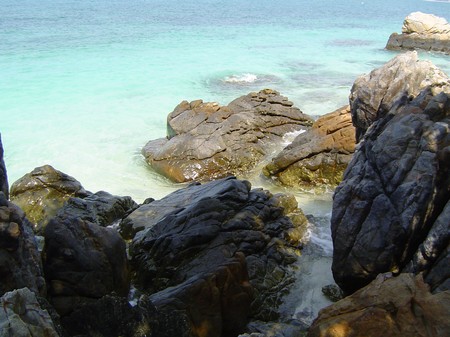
x: 20, y: 260
x: 422, y: 31
x: 22, y: 315
x: 42, y: 192
x: 388, y: 307
x: 218, y: 253
x: 398, y: 81
x: 318, y: 156
x: 206, y: 141
x: 4, y: 187
x: 391, y: 213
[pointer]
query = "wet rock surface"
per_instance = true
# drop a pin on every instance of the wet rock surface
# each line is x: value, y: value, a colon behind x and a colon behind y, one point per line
x: 206, y: 141
x: 318, y: 156
x: 422, y: 31
x: 224, y: 246
x: 83, y: 261
x: 4, y: 187
x: 42, y: 192
x: 389, y: 306
x: 400, y: 80
x: 22, y: 316
x: 391, y: 211
x: 20, y: 260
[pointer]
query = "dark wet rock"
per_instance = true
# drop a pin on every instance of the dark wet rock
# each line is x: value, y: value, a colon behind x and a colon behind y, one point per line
x: 4, y: 187
x: 318, y: 156
x: 113, y: 316
x: 217, y: 245
x: 422, y: 31
x: 333, y: 292
x: 206, y: 141
x: 83, y: 261
x: 391, y: 213
x: 42, y: 192
x: 389, y: 306
x: 22, y: 316
x: 398, y: 81
x: 20, y: 261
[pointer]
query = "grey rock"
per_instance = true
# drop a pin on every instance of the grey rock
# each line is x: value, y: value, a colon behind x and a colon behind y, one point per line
x: 422, y: 31
x: 217, y: 245
x: 22, y: 316
x: 4, y: 187
x: 20, y: 260
x: 83, y: 261
x: 42, y: 192
x: 390, y: 213
x: 400, y: 80
x: 206, y: 141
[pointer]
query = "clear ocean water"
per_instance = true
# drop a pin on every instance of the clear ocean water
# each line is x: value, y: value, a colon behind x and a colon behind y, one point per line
x: 84, y: 84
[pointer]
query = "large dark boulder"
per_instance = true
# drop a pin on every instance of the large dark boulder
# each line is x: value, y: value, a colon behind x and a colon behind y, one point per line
x: 4, y: 187
x: 42, y: 192
x: 20, y: 260
x: 206, y: 141
x: 318, y: 156
x: 83, y: 261
x: 388, y: 307
x: 422, y: 31
x: 399, y: 80
x: 216, y: 253
x: 391, y: 212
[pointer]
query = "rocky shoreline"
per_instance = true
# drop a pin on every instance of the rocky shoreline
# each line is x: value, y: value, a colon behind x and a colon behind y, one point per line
x: 212, y: 257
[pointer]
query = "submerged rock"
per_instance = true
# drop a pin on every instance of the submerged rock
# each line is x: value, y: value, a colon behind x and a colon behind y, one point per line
x: 20, y: 261
x: 318, y: 156
x: 217, y: 252
x: 397, y: 82
x: 83, y: 261
x: 22, y: 316
x: 4, y: 187
x: 388, y: 307
x: 422, y: 31
x: 206, y: 141
x: 42, y: 192
x: 391, y: 212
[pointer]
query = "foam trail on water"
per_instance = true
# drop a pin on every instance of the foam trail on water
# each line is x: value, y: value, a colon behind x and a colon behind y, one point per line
x: 244, y: 78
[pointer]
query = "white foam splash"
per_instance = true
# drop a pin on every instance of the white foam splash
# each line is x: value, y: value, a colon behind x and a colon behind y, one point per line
x: 244, y: 78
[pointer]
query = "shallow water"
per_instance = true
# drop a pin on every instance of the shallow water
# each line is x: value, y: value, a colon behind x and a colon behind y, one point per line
x: 85, y: 84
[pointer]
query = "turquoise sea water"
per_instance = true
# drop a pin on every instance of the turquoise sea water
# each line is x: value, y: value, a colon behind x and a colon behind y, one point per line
x: 85, y: 84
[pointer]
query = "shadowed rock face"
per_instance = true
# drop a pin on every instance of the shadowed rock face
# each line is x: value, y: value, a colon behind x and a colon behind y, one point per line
x: 83, y: 261
x: 398, y: 81
x: 389, y: 306
x: 318, y: 156
x: 4, y: 187
x: 218, y: 252
x: 422, y: 31
x: 391, y: 211
x: 206, y: 141
x: 42, y: 192
x: 20, y: 260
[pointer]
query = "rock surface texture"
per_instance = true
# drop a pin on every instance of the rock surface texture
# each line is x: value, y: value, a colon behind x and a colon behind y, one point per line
x: 391, y: 212
x: 206, y: 141
x: 422, y: 31
x: 216, y: 253
x: 4, y: 187
x: 42, y: 192
x: 388, y: 307
x: 318, y: 156
x: 82, y: 260
x: 20, y: 261
x: 398, y: 81
x: 22, y: 316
